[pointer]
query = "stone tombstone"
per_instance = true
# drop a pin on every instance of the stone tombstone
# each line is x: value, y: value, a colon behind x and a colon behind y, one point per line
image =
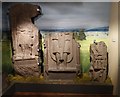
x: 61, y: 56
x: 99, y: 61
x: 25, y: 39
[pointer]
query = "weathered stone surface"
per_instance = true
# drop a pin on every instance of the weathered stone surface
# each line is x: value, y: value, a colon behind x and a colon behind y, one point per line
x: 62, y: 53
x: 25, y: 39
x: 98, y: 60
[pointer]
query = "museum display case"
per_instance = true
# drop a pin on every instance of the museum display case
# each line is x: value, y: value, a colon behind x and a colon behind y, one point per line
x: 45, y: 58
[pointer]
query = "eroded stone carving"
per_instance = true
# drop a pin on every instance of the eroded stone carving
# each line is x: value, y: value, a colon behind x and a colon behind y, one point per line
x: 98, y: 60
x: 62, y: 54
x: 25, y: 39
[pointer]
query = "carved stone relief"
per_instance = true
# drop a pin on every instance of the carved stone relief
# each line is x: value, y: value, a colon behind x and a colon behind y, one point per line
x: 98, y: 60
x: 62, y: 53
x: 25, y: 39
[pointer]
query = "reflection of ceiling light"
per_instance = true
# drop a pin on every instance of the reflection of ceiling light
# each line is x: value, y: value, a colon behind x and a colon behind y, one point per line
x: 38, y: 9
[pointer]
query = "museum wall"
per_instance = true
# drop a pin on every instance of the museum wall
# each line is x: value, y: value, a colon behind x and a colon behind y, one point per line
x: 113, y: 47
x: 119, y: 48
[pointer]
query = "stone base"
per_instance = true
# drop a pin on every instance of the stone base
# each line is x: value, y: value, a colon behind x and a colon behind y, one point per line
x: 61, y: 75
x: 27, y: 67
